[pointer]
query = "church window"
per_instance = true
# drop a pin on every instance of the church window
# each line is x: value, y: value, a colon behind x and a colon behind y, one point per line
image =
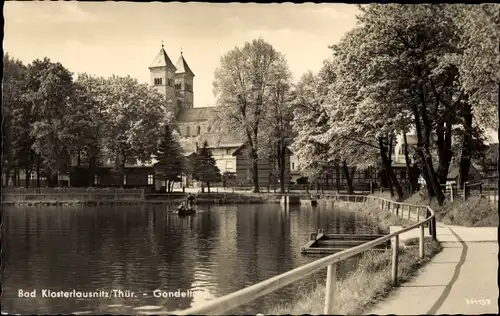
x: 170, y: 82
x: 189, y: 88
x: 157, y: 81
x: 178, y: 86
x: 198, y: 130
x: 187, y: 131
x: 150, y: 179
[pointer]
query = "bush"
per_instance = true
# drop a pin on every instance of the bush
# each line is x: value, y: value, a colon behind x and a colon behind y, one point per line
x: 475, y: 212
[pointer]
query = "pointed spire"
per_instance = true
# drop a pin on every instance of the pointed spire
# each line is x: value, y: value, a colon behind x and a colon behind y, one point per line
x: 182, y: 66
x: 162, y: 59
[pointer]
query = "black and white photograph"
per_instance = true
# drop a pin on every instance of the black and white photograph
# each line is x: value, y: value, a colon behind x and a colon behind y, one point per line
x: 197, y: 158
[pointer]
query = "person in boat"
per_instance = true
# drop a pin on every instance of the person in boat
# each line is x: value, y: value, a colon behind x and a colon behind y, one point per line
x: 182, y: 205
x: 190, y: 201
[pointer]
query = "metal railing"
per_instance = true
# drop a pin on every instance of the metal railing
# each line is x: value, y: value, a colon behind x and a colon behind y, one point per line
x: 251, y: 293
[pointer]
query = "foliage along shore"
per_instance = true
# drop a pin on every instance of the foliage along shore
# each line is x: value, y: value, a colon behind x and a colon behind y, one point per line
x: 476, y: 211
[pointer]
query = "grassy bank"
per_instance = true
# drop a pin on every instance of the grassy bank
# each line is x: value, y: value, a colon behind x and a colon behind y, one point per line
x: 475, y: 212
x: 364, y: 286
x: 383, y: 218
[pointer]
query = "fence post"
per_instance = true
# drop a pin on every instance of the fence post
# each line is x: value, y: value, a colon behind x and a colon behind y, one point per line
x: 421, y: 245
x: 409, y: 211
x: 330, y: 289
x: 395, y: 254
x: 480, y: 188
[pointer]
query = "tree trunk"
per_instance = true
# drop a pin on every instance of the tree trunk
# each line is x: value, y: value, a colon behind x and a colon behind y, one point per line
x: 255, y: 170
x: 14, y: 177
x: 91, y: 172
x: 444, y: 151
x: 431, y: 177
x: 38, y: 171
x: 27, y: 176
x: 282, y: 164
x: 498, y: 133
x: 347, y: 176
x: 389, y: 182
x: 392, y: 179
x: 466, y: 141
x: 408, y: 165
x: 337, y: 177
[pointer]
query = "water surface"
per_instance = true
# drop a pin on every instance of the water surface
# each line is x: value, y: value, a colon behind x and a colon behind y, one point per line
x: 140, y: 249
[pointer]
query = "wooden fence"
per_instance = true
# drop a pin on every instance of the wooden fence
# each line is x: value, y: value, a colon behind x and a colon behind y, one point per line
x: 226, y: 303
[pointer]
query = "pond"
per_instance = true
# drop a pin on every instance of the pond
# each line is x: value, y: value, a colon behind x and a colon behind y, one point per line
x: 111, y: 250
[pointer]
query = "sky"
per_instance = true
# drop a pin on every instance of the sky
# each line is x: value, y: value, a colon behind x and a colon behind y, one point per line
x: 123, y: 38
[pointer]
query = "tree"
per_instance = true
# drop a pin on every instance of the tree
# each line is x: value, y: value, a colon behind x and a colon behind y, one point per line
x: 479, y: 67
x: 88, y: 122
x: 133, y: 111
x: 408, y: 52
x: 243, y: 85
x: 16, y: 119
x: 277, y: 124
x: 170, y: 158
x: 205, y: 169
x: 309, y: 121
x: 49, y: 88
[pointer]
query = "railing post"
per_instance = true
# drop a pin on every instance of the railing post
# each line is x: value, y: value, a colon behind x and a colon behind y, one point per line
x: 395, y: 254
x: 466, y: 191
x: 418, y: 214
x: 330, y: 289
x: 421, y: 244
x: 409, y: 211
x: 434, y: 233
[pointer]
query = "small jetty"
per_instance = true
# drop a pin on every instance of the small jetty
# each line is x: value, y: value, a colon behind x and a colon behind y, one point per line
x: 322, y: 243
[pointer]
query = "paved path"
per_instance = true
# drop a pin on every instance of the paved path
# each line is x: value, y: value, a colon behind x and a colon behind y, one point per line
x: 462, y: 279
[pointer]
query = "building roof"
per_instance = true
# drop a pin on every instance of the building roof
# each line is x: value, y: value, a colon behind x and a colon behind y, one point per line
x: 162, y: 60
x: 194, y: 114
x: 183, y: 67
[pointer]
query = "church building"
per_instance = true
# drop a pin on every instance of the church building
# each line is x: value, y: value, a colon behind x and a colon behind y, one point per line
x: 176, y: 83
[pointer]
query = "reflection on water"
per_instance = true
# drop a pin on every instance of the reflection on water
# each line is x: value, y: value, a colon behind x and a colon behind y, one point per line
x: 220, y: 250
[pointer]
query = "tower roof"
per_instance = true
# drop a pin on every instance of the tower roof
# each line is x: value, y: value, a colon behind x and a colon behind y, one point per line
x: 162, y: 60
x: 183, y: 67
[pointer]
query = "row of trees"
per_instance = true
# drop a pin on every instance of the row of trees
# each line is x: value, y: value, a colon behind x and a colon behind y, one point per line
x: 433, y: 68
x: 52, y: 123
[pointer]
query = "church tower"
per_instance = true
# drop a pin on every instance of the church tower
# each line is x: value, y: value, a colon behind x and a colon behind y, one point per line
x: 162, y: 72
x: 184, y: 78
